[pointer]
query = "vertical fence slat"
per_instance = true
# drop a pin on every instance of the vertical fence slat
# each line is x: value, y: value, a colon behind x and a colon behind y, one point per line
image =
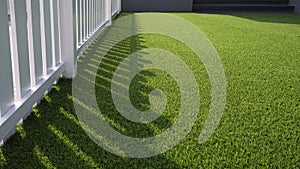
x: 91, y: 16
x: 14, y: 52
x: 77, y: 23
x: 36, y: 33
x: 59, y: 31
x: 56, y: 33
x: 87, y: 19
x: 84, y: 19
x: 103, y: 18
x: 53, y: 52
x: 80, y: 21
x: 48, y: 34
x: 112, y: 7
x: 6, y: 79
x: 101, y: 11
x: 22, y: 45
x: 113, y: 4
x: 108, y: 11
x: 97, y: 13
x: 94, y: 15
x: 43, y: 37
x: 30, y: 44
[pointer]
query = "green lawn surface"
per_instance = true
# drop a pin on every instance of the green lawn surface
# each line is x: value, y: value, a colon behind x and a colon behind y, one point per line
x: 260, y: 126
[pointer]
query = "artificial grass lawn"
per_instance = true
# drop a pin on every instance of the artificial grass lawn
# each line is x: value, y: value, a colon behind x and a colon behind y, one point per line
x: 260, y: 126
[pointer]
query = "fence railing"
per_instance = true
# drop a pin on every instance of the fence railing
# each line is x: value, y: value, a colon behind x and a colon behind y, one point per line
x: 40, y: 40
x: 90, y: 17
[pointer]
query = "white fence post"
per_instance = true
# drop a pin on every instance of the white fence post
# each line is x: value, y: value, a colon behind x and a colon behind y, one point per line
x: 67, y: 38
x: 38, y: 45
x: 119, y: 6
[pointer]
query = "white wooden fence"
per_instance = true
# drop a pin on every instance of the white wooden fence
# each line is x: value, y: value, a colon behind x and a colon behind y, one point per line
x: 40, y: 42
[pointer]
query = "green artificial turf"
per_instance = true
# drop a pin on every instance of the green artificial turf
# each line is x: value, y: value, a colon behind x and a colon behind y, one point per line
x: 260, y: 126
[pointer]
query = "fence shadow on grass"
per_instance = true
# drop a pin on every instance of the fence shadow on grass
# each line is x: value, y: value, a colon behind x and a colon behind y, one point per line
x: 52, y: 137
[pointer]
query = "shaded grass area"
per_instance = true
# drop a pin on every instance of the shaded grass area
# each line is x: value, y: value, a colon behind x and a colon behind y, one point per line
x: 260, y: 126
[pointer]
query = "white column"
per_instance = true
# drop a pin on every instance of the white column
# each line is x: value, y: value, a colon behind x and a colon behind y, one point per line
x: 67, y: 38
